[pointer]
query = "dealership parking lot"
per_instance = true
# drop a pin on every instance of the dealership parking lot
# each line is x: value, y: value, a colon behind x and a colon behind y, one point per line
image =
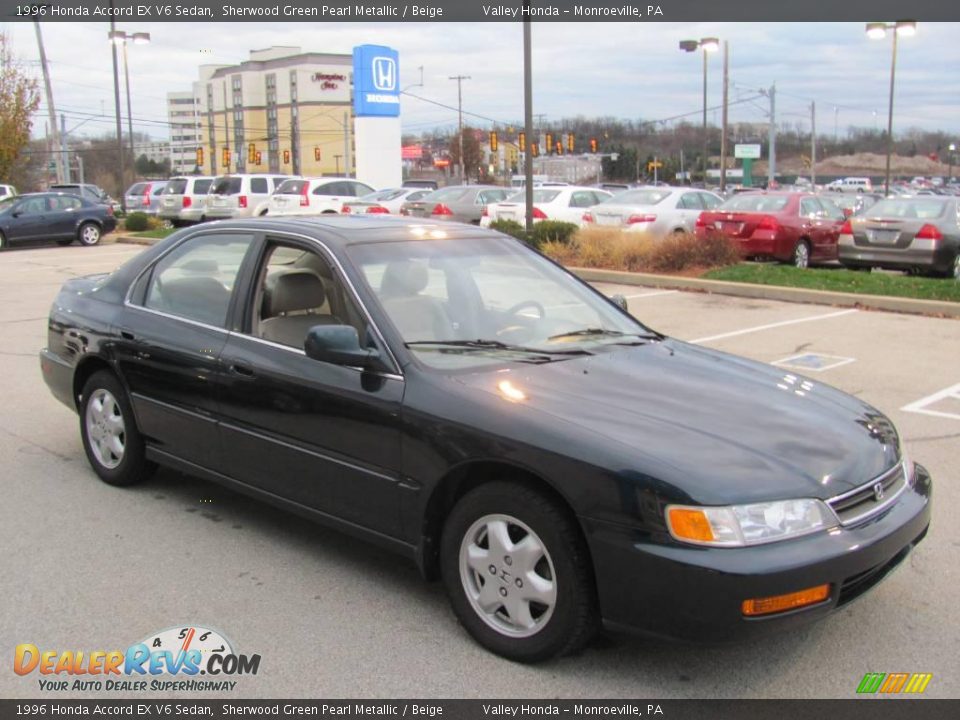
x: 91, y: 567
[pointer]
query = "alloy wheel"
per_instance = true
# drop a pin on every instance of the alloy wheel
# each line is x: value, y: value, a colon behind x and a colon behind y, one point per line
x: 508, y: 575
x: 89, y: 234
x: 801, y: 255
x: 106, y: 429
x: 956, y: 267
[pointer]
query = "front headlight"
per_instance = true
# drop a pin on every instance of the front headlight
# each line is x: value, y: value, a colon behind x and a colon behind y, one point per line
x: 741, y: 525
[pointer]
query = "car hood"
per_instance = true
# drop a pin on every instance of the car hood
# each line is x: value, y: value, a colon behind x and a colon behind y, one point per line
x: 724, y: 429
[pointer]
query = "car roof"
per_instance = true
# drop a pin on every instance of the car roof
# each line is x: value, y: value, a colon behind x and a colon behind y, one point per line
x: 342, y: 230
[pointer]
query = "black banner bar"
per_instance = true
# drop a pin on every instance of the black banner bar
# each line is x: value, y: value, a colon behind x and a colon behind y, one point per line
x: 861, y: 709
x: 478, y: 10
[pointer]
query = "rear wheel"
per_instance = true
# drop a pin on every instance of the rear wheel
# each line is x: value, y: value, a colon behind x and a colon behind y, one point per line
x: 801, y: 255
x: 89, y: 234
x: 517, y: 573
x: 956, y: 267
x: 111, y: 440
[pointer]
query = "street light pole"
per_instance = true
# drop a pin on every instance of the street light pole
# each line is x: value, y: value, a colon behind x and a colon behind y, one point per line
x: 951, y: 150
x: 460, y: 79
x: 120, y: 37
x: 708, y: 45
x: 877, y: 31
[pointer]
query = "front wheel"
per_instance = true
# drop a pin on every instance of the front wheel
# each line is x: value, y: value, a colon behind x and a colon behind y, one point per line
x: 801, y: 255
x: 111, y: 440
x: 89, y: 234
x: 517, y: 573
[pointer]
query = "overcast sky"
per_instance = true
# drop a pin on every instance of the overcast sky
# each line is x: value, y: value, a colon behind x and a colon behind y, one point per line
x: 624, y: 70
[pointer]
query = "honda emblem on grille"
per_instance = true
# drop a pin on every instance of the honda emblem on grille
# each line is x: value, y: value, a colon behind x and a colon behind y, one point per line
x: 878, y: 492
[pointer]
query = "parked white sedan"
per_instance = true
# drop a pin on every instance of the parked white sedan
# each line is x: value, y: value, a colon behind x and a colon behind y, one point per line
x: 385, y: 201
x: 567, y: 204
x: 657, y: 210
x: 315, y: 196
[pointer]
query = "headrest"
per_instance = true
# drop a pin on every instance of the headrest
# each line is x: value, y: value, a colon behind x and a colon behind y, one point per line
x: 296, y: 290
x: 404, y: 278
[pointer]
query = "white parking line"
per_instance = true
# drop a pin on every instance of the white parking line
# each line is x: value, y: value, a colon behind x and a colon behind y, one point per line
x: 651, y: 294
x: 921, y: 405
x: 769, y: 326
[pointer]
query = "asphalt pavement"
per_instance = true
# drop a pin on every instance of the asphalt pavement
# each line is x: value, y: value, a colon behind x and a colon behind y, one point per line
x: 88, y: 566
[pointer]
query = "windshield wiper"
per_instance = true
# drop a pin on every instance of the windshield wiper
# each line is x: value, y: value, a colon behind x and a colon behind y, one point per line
x: 481, y: 344
x: 597, y: 331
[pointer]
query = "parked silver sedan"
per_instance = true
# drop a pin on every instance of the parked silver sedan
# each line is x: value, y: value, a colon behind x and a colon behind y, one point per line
x: 656, y: 210
x: 918, y: 234
x: 461, y: 203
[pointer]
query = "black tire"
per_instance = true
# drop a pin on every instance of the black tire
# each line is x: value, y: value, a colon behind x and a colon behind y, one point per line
x: 800, y: 257
x: 64, y: 242
x: 3, y: 241
x: 564, y: 627
x: 133, y: 466
x: 89, y: 234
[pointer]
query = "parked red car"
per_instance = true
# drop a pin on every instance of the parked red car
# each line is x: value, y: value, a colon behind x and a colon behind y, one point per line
x: 793, y: 227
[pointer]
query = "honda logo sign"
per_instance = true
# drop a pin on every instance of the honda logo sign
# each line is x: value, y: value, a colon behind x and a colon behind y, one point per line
x: 385, y: 74
x: 376, y: 78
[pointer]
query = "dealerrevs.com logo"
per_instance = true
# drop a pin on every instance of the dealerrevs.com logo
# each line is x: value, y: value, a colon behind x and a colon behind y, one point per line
x: 170, y: 660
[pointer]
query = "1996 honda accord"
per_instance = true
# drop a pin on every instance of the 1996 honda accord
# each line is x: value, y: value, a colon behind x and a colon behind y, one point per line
x: 451, y: 394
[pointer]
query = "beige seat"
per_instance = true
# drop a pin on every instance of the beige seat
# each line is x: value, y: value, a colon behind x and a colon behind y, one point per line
x: 417, y: 317
x: 291, y: 308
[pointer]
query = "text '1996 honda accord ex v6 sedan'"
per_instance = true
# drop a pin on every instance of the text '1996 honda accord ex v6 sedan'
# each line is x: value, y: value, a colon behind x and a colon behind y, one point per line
x: 449, y: 393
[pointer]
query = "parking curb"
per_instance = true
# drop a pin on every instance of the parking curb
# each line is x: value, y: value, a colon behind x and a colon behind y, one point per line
x: 940, y: 308
x: 133, y: 240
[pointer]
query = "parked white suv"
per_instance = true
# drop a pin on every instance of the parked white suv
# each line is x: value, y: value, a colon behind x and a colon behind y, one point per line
x: 234, y: 196
x: 184, y: 200
x: 851, y: 185
x: 316, y: 196
x: 7, y: 191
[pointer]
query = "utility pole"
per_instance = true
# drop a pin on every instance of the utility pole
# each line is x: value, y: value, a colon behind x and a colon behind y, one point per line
x: 772, y: 166
x: 226, y: 125
x: 51, y: 109
x: 726, y: 97
x: 528, y: 119
x: 116, y: 100
x: 126, y: 75
x: 65, y: 157
x: 706, y: 138
x: 813, y: 143
x: 460, y: 79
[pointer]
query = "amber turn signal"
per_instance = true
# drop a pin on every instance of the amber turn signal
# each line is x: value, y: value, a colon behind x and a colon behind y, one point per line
x: 782, y: 603
x: 690, y: 524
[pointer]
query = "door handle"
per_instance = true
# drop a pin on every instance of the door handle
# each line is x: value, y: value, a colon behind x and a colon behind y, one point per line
x: 244, y: 371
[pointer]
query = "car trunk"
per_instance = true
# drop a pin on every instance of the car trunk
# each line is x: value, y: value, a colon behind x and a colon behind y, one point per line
x: 886, y: 232
x: 733, y: 224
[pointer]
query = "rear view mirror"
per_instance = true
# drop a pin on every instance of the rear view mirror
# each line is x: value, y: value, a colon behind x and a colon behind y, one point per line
x: 339, y: 345
x: 620, y: 301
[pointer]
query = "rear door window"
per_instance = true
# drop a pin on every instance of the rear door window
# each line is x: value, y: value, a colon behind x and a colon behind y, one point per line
x: 291, y: 187
x: 202, y: 186
x: 259, y: 186
x: 176, y: 187
x: 227, y: 186
x: 690, y: 201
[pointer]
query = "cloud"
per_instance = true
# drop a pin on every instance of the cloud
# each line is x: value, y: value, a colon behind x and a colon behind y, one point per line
x: 627, y: 70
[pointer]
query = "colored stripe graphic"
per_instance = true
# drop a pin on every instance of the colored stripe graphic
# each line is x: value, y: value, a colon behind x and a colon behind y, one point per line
x: 870, y: 683
x: 918, y: 682
x: 893, y: 683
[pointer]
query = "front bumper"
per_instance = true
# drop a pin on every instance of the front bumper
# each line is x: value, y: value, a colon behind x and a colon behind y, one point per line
x: 190, y: 214
x: 695, y: 593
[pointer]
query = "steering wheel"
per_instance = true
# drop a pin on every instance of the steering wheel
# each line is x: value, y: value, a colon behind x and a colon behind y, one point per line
x: 527, y: 304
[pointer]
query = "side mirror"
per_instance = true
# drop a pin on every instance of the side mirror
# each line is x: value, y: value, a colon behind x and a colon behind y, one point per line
x: 620, y: 301
x: 16, y: 213
x: 339, y: 345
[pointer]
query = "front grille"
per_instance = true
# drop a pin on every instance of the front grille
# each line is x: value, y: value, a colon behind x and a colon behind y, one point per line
x: 870, y: 499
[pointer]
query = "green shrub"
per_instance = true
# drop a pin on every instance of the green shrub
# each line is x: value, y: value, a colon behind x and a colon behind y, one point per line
x: 510, y: 227
x: 553, y: 231
x: 137, y: 222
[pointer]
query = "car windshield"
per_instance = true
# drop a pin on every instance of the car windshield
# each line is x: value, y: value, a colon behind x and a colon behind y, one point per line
x: 539, y: 196
x: 928, y: 208
x: 446, y: 194
x: 383, y: 195
x: 639, y: 197
x: 754, y: 202
x: 227, y: 186
x: 481, y: 301
x: 176, y: 187
x: 292, y: 187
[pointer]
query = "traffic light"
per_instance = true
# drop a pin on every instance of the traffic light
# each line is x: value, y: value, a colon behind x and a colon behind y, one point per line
x: 199, y: 157
x: 522, y: 141
x: 258, y: 159
x: 559, y: 147
x: 251, y: 152
x: 286, y: 157
x: 493, y: 141
x: 593, y: 145
x: 316, y: 153
x: 549, y: 143
x: 535, y: 149
x: 226, y: 157
x: 570, y: 142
